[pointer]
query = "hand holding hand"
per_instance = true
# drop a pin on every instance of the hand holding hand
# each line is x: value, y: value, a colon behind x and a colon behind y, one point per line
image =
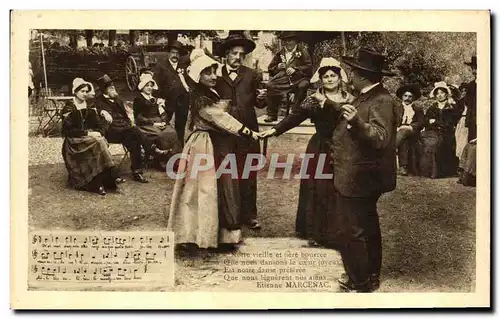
x: 266, y: 134
x: 290, y: 71
x: 349, y: 112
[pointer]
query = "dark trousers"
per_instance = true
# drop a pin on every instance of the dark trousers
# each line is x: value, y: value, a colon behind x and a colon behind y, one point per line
x: 274, y: 100
x: 472, y: 132
x: 247, y: 185
x: 180, y: 107
x: 132, y: 140
x: 362, y: 248
x: 404, y: 141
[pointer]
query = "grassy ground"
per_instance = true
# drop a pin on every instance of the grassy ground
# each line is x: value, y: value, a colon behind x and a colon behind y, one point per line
x: 428, y: 226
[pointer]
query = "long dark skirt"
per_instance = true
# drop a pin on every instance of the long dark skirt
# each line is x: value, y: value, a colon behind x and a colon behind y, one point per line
x: 165, y: 139
x: 437, y: 154
x: 228, y: 191
x: 85, y: 158
x: 467, y: 165
x: 316, y: 215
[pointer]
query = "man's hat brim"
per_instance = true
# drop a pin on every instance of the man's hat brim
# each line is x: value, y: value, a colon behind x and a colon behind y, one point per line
x: 355, y: 64
x: 248, y: 44
x: 285, y: 35
x: 177, y: 46
x: 413, y: 89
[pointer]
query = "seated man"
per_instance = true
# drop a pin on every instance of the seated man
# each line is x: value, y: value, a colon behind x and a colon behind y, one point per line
x: 290, y: 70
x: 409, y: 129
x: 152, y: 120
x: 120, y: 130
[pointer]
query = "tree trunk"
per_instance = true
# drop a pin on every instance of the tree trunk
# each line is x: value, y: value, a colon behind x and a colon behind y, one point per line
x: 132, y: 35
x: 89, y: 35
x: 73, y: 40
x: 172, y: 36
x: 342, y: 39
x: 111, y: 38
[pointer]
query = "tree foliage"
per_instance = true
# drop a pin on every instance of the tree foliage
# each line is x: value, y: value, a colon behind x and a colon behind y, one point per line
x: 417, y: 57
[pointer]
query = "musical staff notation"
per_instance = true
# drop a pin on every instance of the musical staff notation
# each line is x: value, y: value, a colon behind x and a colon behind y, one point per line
x: 100, y: 257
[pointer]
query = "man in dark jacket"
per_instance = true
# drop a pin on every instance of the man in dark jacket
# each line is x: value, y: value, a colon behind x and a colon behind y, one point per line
x: 364, y: 167
x: 409, y: 129
x: 171, y: 78
x: 470, y: 102
x: 290, y: 71
x: 239, y: 84
x: 120, y: 130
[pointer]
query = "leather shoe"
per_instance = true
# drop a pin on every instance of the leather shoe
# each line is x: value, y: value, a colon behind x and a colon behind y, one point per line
x: 254, y: 224
x: 139, y: 178
x: 269, y: 119
x: 100, y: 190
x: 346, y: 285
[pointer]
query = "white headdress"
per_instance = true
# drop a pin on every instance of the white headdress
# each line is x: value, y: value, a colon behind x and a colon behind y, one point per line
x: 440, y: 85
x: 78, y: 82
x: 325, y: 62
x: 145, y: 79
x: 199, y: 62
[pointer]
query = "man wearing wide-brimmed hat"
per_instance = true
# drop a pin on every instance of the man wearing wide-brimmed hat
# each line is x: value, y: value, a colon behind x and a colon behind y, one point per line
x: 290, y: 70
x: 171, y: 78
x: 120, y: 130
x: 470, y: 102
x: 364, y: 167
x: 239, y: 84
x: 409, y: 128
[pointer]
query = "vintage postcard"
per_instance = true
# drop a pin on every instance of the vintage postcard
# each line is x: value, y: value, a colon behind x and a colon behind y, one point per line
x: 250, y: 159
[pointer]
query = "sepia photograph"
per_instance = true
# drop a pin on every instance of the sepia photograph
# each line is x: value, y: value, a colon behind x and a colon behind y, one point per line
x: 237, y: 159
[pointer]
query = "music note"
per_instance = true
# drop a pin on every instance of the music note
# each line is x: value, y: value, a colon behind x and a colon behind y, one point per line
x: 97, y: 258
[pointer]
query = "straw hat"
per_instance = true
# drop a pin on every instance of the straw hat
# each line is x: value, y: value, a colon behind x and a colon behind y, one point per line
x: 145, y: 79
x: 199, y: 62
x: 329, y: 62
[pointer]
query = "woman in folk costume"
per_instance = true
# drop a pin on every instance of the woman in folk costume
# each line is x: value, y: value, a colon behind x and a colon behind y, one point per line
x: 205, y: 208
x: 467, y: 164
x: 316, y: 219
x: 85, y: 150
x: 152, y: 120
x: 438, y: 143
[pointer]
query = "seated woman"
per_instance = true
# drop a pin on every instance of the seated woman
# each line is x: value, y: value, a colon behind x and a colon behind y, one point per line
x: 205, y: 210
x: 85, y: 150
x: 438, y: 144
x: 316, y: 219
x: 152, y: 120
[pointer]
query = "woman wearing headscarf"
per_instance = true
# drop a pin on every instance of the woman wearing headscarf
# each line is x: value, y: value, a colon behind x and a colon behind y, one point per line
x: 152, y: 120
x: 205, y: 209
x: 85, y: 150
x: 316, y: 219
x: 438, y: 153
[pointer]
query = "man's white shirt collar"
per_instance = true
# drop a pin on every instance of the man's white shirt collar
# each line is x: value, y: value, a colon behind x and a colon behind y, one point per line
x: 174, y: 65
